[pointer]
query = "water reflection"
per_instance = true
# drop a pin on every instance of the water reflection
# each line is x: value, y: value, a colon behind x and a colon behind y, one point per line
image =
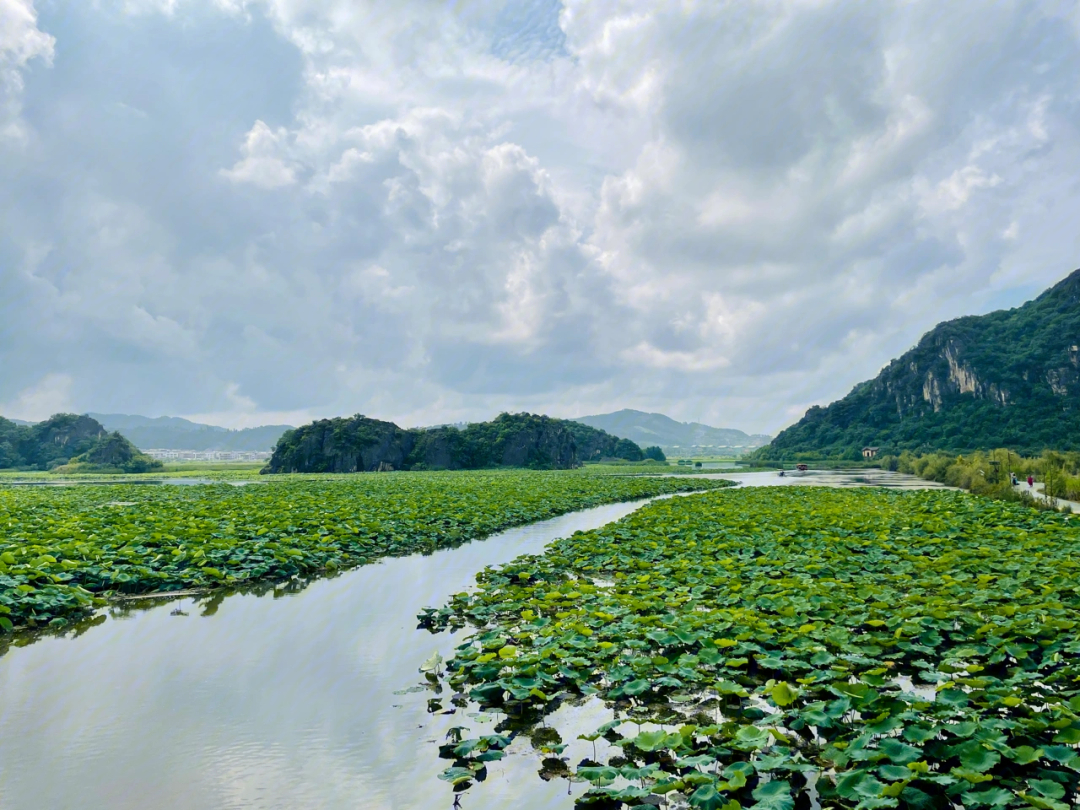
x: 828, y: 478
x: 284, y: 699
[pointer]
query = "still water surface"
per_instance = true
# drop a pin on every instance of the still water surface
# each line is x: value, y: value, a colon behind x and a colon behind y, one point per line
x: 272, y: 702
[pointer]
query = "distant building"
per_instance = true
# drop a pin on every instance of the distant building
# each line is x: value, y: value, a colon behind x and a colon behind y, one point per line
x: 870, y: 452
x: 207, y: 455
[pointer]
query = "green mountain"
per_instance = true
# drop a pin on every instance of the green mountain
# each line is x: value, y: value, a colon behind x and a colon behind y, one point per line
x: 510, y: 440
x: 1007, y: 379
x: 111, y: 453
x: 68, y: 438
x: 175, y: 433
x: 663, y: 431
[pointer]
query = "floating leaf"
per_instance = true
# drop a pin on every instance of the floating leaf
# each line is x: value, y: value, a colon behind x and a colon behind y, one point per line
x: 432, y: 664
x: 775, y: 795
x: 783, y: 694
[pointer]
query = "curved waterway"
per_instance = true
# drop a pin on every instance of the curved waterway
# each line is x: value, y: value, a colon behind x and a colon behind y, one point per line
x: 271, y: 702
x: 274, y: 700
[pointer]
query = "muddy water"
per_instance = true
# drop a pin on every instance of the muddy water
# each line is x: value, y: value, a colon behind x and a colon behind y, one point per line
x: 274, y: 701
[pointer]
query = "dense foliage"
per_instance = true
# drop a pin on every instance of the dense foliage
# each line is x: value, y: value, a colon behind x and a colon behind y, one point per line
x: 987, y: 472
x: 1007, y: 379
x: 112, y: 453
x: 869, y: 648
x: 63, y: 546
x: 47, y: 444
x: 509, y: 440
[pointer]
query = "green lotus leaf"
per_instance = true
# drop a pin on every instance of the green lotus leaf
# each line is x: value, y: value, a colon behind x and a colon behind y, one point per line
x: 858, y: 785
x: 1068, y: 736
x: 1025, y: 754
x: 900, y: 753
x: 752, y: 735
x: 456, y: 775
x: 652, y: 740
x: 975, y: 756
x: 599, y: 776
x: 894, y: 772
x: 967, y: 774
x: 783, y: 694
x: 1047, y: 788
x: 775, y: 795
x: 953, y: 697
x: 731, y: 688
x: 707, y: 797
x: 987, y: 797
x: 627, y: 794
x: 1043, y: 803
x: 636, y: 687
x: 919, y: 734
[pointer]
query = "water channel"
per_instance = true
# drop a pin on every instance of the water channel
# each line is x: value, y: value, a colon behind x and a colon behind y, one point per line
x: 274, y: 700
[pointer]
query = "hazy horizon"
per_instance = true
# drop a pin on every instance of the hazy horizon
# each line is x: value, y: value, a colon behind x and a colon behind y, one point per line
x: 252, y: 212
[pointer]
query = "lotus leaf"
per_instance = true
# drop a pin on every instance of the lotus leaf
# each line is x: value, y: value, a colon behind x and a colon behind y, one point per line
x: 910, y: 648
x: 64, y: 549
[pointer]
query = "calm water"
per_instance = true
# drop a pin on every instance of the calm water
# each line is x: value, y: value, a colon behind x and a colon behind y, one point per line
x: 271, y: 702
x: 828, y: 478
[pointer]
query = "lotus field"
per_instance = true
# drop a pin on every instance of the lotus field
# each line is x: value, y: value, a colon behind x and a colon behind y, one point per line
x: 792, y: 647
x: 66, y: 550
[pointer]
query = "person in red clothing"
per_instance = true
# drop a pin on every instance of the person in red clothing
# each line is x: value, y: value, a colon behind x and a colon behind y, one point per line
x: 1031, y: 482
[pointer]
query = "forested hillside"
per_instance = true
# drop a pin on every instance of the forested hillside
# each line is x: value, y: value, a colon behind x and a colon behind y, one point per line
x: 64, y: 438
x: 510, y: 440
x: 1007, y: 379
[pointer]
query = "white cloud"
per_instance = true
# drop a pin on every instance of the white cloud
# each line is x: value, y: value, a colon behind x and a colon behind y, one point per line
x: 49, y: 395
x: 443, y: 210
x: 263, y: 164
x: 243, y: 412
x: 955, y: 190
x: 20, y: 42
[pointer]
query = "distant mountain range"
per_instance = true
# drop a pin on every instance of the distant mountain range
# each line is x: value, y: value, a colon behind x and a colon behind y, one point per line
x: 175, y: 433
x: 1010, y: 378
x: 648, y: 429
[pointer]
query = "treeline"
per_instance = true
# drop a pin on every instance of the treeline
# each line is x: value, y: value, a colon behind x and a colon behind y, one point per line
x: 69, y: 440
x: 988, y: 472
x: 358, y: 444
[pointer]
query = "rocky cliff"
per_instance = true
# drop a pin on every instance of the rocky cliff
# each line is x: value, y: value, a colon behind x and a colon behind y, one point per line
x: 355, y: 444
x: 360, y: 444
x: 1007, y: 379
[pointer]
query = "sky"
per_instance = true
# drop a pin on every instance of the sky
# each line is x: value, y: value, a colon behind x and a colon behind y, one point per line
x: 269, y: 211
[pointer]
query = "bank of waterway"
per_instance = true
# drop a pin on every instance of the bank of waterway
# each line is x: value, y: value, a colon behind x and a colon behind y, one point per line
x: 274, y: 701
x: 281, y: 702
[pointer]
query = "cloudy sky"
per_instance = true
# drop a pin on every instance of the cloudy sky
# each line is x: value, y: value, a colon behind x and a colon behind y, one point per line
x: 249, y: 211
